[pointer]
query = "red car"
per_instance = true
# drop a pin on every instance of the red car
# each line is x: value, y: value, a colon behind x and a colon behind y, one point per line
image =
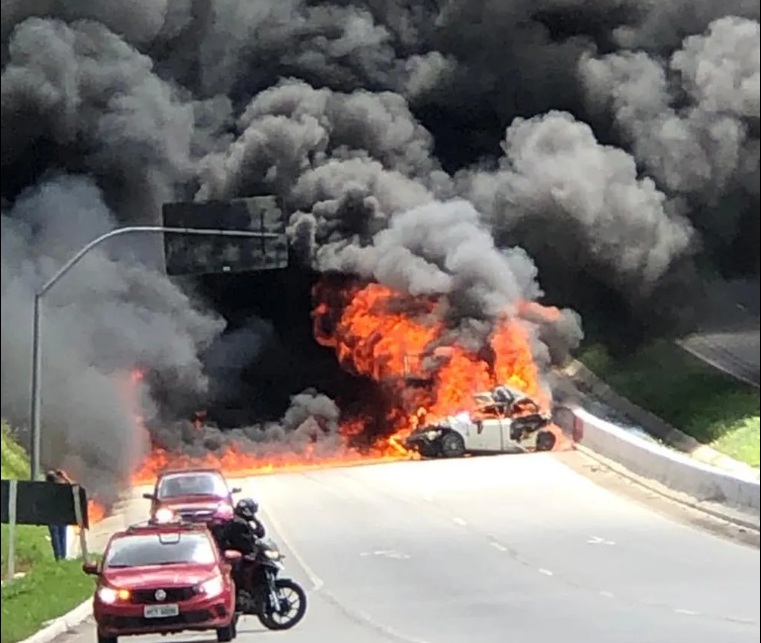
x: 192, y: 495
x: 164, y: 579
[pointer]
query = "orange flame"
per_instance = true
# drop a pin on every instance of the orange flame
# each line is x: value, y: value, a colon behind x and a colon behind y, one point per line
x: 396, y: 339
x: 399, y: 341
x: 95, y: 512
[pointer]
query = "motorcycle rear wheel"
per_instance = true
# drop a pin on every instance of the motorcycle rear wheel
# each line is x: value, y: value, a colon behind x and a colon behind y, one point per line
x: 286, y: 588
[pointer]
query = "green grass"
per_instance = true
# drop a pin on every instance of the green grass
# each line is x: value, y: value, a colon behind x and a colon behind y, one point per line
x: 14, y: 461
x: 48, y: 589
x: 688, y: 394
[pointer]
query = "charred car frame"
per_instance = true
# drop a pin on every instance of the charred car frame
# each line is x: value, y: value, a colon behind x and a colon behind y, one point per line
x: 505, y: 420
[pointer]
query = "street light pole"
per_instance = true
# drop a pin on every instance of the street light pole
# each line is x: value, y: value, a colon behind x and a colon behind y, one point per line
x: 36, y: 397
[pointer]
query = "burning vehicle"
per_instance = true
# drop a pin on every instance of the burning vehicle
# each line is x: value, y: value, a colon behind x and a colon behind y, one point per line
x: 505, y: 420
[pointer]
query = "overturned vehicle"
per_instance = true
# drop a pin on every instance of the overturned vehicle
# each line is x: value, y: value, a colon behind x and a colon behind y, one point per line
x: 506, y: 420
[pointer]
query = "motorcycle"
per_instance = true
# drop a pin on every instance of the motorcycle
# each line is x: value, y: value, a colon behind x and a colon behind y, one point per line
x: 278, y: 603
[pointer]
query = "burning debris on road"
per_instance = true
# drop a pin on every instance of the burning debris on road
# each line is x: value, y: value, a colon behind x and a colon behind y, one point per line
x: 446, y: 168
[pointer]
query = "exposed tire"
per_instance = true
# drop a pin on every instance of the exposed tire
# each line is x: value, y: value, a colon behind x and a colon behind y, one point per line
x: 226, y: 634
x: 545, y: 441
x: 106, y: 639
x: 452, y: 445
x: 291, y: 592
x: 428, y: 450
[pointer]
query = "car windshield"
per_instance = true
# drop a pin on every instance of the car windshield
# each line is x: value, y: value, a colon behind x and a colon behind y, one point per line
x: 192, y: 484
x: 160, y: 549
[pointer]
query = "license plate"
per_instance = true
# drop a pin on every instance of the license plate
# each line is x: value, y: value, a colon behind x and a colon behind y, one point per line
x: 161, y: 611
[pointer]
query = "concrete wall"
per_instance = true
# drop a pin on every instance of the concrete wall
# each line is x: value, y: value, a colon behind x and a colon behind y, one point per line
x: 650, y: 460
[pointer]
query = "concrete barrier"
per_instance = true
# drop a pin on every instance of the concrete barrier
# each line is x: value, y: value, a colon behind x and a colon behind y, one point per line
x: 675, y: 470
x: 587, y: 382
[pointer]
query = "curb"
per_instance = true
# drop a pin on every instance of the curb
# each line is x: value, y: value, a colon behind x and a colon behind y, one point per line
x: 62, y: 624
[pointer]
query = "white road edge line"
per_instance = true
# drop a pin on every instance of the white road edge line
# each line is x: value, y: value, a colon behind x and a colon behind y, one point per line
x: 499, y: 547
x: 316, y: 581
x: 546, y: 572
x: 459, y: 521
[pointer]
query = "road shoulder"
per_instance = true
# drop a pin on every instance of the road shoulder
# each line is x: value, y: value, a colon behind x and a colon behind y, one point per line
x: 709, y: 517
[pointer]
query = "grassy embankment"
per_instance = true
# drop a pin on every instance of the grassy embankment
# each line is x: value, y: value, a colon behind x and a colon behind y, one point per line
x: 47, y: 589
x: 688, y: 394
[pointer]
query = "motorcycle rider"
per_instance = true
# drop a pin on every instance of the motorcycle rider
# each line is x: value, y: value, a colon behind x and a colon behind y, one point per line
x: 246, y: 509
x: 241, y: 533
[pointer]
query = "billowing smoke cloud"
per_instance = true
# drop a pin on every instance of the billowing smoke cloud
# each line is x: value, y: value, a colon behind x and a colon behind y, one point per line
x: 692, y: 121
x: 440, y: 248
x: 105, y: 315
x: 485, y: 151
x: 310, y: 424
x: 557, y: 179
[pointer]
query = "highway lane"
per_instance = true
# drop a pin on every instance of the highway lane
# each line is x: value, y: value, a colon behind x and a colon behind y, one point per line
x: 508, y: 548
x: 728, y: 336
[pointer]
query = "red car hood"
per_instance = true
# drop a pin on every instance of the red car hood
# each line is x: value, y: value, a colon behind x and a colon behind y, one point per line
x: 159, y: 576
x: 192, y: 503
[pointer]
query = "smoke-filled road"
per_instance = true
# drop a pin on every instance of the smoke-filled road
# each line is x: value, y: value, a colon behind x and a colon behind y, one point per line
x: 509, y: 548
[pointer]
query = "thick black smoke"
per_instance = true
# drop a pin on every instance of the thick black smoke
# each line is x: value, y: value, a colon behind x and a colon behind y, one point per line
x: 311, y: 424
x: 484, y: 150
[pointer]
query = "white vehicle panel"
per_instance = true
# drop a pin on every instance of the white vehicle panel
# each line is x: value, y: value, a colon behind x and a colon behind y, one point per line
x: 485, y: 436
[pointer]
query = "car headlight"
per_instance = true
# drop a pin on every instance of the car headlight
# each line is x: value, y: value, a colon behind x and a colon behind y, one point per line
x: 212, y: 587
x: 273, y: 554
x: 164, y: 515
x: 110, y: 595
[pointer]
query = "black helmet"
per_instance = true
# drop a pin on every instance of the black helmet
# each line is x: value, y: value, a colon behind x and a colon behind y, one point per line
x: 247, y: 508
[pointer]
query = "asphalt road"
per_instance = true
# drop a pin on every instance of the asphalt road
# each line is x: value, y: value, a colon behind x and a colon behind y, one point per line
x: 729, y: 337
x: 494, y: 550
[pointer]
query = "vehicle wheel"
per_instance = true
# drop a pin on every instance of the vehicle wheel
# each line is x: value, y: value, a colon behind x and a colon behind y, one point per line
x: 106, y: 639
x: 293, y: 606
x: 226, y: 634
x: 428, y: 450
x: 452, y: 445
x: 545, y: 441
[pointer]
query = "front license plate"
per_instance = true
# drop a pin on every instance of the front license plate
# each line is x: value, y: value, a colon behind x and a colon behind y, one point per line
x: 160, y: 611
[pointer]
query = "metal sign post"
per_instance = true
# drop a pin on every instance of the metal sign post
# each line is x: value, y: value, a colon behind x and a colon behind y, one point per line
x: 12, y: 502
x: 80, y: 521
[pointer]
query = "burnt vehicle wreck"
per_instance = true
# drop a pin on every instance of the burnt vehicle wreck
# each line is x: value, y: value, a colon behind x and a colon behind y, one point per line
x: 506, y: 420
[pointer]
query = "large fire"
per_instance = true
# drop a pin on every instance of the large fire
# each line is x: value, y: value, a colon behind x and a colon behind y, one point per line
x: 395, y: 339
x: 402, y: 343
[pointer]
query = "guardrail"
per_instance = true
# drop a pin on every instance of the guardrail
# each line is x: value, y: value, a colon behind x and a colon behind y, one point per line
x: 675, y: 470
